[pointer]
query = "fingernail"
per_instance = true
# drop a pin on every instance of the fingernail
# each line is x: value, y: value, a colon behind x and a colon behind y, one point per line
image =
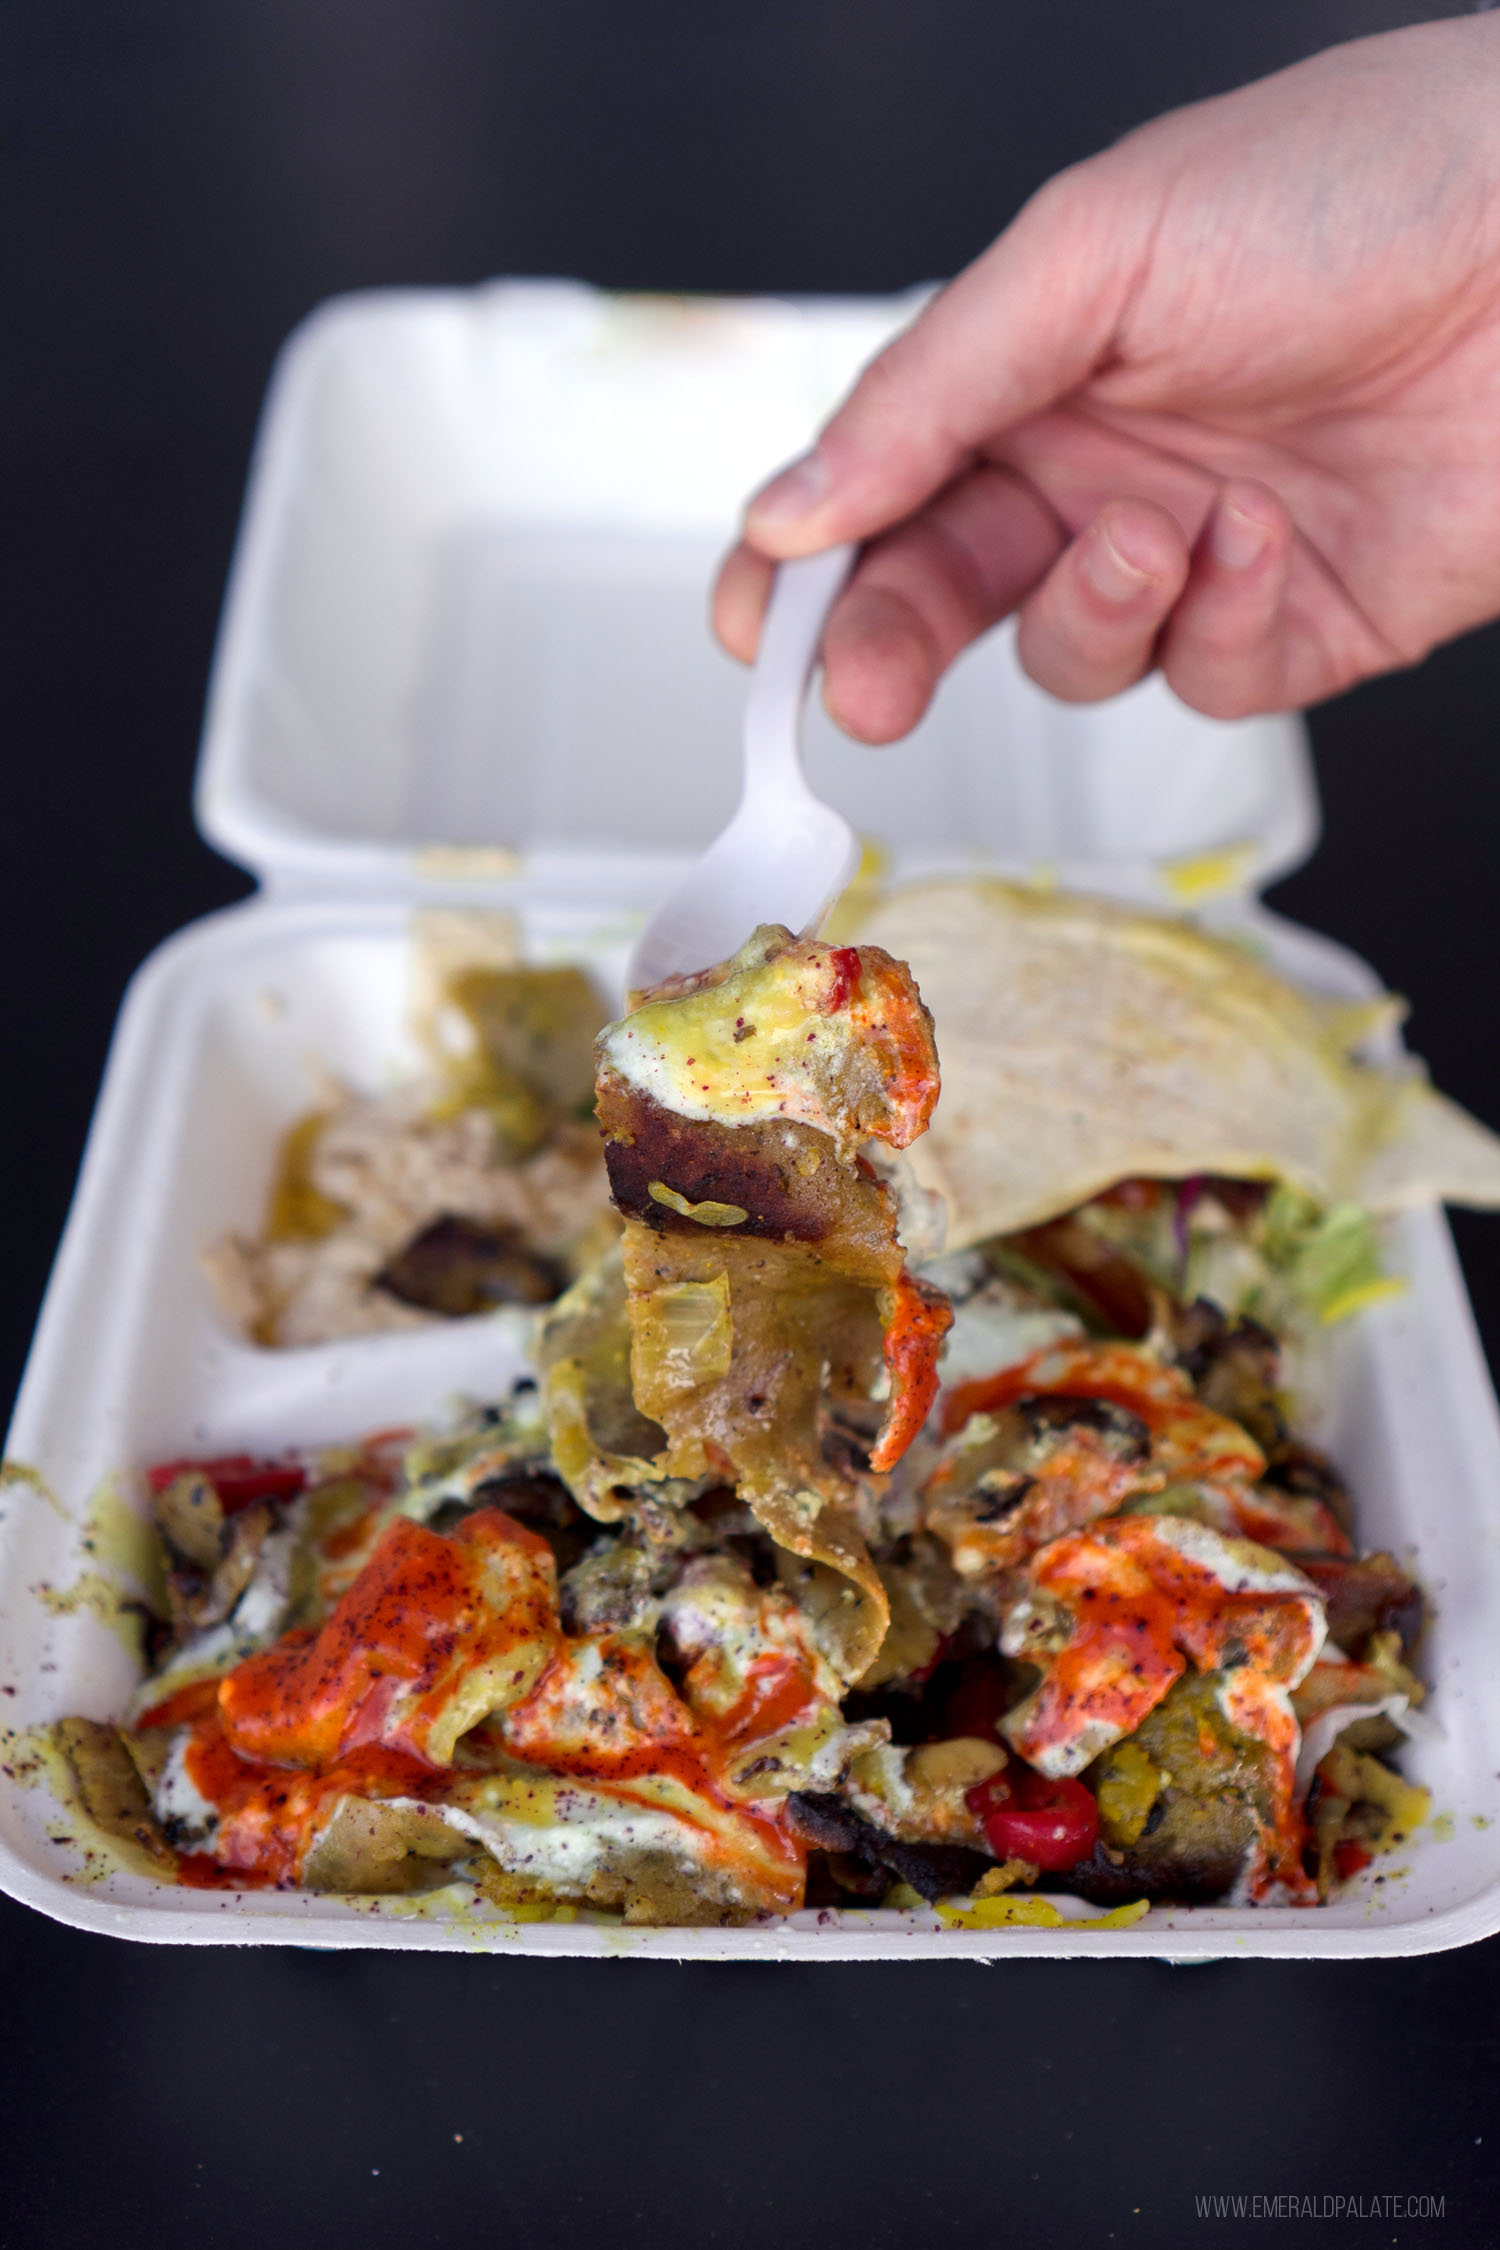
x: 795, y: 493
x: 1237, y: 540
x: 1110, y: 572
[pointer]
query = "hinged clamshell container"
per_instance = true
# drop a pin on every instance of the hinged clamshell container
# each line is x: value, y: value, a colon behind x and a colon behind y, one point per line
x: 464, y: 659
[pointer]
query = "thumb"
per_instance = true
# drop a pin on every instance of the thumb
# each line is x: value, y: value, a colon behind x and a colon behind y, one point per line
x: 1022, y: 326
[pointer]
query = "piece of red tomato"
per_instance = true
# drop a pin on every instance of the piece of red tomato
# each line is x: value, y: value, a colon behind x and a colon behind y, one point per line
x: 236, y: 1477
x: 1025, y: 1815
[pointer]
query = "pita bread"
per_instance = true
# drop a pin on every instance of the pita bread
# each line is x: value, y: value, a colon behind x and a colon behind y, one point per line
x: 1083, y: 1043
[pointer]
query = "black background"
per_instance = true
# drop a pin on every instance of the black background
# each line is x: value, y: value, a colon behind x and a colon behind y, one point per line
x: 182, y: 180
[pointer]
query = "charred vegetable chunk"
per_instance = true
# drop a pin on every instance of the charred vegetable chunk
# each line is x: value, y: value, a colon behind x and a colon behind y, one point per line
x: 1181, y: 1803
x: 457, y: 1267
x: 1360, y: 1809
x: 935, y: 1870
x: 110, y: 1788
x: 211, y: 1553
x: 1365, y: 1596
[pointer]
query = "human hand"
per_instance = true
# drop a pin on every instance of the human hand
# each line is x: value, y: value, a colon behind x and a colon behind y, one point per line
x: 1223, y: 399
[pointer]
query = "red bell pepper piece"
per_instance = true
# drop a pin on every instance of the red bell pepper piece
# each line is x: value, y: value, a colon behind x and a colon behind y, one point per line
x: 236, y: 1477
x: 1025, y: 1815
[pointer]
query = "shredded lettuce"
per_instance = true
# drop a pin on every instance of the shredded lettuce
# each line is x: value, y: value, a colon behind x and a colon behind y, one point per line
x: 1294, y: 1264
x: 1328, y: 1258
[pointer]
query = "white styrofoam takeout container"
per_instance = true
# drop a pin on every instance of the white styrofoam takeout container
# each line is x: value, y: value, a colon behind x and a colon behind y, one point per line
x: 463, y: 659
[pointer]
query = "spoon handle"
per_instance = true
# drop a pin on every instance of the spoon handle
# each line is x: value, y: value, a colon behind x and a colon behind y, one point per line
x: 802, y: 594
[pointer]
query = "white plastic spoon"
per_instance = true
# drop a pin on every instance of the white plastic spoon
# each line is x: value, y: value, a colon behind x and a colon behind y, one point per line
x: 785, y: 855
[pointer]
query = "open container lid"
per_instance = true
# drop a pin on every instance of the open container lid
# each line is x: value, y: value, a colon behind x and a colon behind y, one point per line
x: 481, y: 521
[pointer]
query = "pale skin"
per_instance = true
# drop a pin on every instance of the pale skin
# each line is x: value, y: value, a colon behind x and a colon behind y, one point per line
x: 1224, y: 399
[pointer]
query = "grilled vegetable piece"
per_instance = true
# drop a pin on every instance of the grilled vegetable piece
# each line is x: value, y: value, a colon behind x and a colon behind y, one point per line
x: 110, y: 1788
x: 1235, y: 1367
x: 610, y: 1590
x: 211, y: 1553
x: 237, y: 1478
x: 456, y: 1267
x: 1358, y: 1809
x: 368, y: 1848
x: 190, y: 1517
x: 753, y: 1671
x: 1110, y: 1614
x: 1366, y: 1595
x: 1188, y: 1440
x: 935, y: 1870
x: 542, y: 1502
x: 1183, y: 1803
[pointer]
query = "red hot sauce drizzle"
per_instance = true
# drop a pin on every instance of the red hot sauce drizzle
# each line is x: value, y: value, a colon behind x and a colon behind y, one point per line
x: 441, y: 1637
